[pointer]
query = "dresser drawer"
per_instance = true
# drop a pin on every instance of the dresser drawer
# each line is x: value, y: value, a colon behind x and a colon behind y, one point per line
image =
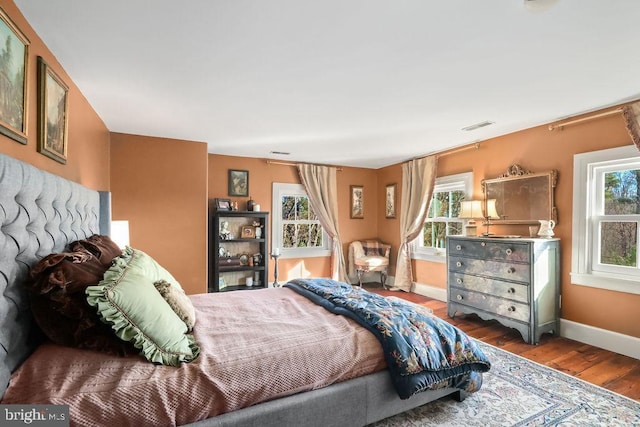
x: 498, y: 250
x: 513, y: 291
x: 510, y: 309
x: 488, y: 268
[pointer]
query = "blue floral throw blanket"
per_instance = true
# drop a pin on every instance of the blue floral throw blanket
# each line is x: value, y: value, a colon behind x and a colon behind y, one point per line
x: 422, y: 351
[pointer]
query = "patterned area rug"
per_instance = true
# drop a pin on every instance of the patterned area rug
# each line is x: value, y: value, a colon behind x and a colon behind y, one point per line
x: 519, y: 392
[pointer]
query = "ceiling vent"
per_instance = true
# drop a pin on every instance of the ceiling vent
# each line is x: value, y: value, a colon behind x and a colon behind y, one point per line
x: 478, y: 125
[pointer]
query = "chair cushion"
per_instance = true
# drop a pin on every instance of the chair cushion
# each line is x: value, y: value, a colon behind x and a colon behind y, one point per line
x: 371, y: 261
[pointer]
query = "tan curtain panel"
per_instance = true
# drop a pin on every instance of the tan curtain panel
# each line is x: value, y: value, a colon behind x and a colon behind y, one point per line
x: 631, y: 114
x: 322, y: 189
x: 418, y: 178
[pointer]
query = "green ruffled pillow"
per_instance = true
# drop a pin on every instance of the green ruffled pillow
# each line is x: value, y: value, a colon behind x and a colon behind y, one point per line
x: 127, y: 300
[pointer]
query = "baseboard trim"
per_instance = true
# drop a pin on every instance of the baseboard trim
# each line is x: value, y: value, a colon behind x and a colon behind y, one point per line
x: 430, y: 291
x: 602, y: 338
x: 608, y: 340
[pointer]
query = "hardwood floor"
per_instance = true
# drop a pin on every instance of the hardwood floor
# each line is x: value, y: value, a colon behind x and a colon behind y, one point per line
x: 604, y: 368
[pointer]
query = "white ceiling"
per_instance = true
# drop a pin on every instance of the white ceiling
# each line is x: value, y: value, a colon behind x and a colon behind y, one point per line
x: 364, y: 83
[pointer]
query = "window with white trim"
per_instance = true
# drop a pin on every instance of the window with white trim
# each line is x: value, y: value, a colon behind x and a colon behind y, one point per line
x: 296, y: 230
x: 606, y: 219
x: 442, y: 218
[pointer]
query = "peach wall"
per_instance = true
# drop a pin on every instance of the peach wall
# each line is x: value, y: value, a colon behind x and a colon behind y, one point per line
x: 160, y: 186
x: 88, y: 137
x: 538, y: 150
x: 261, y: 178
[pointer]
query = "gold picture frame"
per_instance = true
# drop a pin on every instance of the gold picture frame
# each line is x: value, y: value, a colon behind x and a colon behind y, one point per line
x: 14, y: 58
x: 247, y: 232
x: 390, y: 201
x: 53, y: 100
x: 357, y: 202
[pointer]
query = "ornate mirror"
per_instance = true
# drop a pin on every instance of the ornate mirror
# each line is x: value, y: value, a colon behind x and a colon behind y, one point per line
x: 521, y: 196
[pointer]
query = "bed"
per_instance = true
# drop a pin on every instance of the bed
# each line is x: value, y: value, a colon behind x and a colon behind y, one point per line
x: 42, y: 214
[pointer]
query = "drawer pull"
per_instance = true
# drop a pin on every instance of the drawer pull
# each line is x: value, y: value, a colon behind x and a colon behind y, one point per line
x: 459, y: 297
x: 458, y: 247
x: 483, y: 244
x: 509, y: 251
x: 511, y: 291
x: 459, y: 264
x: 511, y: 270
x: 459, y: 281
x: 511, y: 309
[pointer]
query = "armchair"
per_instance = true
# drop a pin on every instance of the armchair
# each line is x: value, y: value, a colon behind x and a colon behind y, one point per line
x: 369, y: 255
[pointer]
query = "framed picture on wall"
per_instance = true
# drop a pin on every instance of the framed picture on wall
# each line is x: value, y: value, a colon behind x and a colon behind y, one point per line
x: 52, y: 113
x: 238, y: 183
x: 390, y: 201
x: 357, y: 201
x: 13, y: 80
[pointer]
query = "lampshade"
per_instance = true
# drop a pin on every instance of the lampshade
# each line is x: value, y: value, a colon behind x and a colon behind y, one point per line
x: 492, y: 212
x: 120, y: 233
x: 470, y: 209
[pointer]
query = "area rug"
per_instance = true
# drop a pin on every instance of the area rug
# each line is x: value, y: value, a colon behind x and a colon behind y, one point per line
x: 519, y: 392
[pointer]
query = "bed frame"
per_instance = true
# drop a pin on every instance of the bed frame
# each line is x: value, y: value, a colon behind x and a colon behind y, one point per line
x: 40, y: 213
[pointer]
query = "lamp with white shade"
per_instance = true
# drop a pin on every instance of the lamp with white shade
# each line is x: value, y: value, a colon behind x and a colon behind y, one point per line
x: 490, y: 213
x: 471, y: 210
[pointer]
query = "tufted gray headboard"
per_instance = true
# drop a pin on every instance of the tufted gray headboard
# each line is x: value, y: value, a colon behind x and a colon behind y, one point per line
x: 40, y: 213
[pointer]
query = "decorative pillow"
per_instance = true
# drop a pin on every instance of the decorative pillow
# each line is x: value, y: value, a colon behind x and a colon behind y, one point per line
x: 59, y: 304
x: 102, y: 247
x: 127, y: 300
x: 178, y: 301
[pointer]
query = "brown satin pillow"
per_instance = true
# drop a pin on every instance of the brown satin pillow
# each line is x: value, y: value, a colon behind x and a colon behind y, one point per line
x: 102, y: 247
x: 59, y: 302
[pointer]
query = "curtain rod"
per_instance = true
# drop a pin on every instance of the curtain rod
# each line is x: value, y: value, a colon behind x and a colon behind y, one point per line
x: 475, y: 145
x: 279, y: 162
x: 584, y: 119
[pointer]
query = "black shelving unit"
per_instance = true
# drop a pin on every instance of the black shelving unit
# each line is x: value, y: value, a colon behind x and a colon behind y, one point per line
x: 235, y: 258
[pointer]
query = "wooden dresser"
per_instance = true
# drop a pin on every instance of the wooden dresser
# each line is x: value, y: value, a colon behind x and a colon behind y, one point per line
x: 514, y: 281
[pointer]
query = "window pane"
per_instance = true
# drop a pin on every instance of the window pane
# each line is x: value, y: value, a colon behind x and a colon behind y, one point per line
x: 303, y: 235
x: 455, y: 229
x: 315, y: 233
x: 303, y: 208
x: 442, y: 205
x: 288, y: 208
x: 427, y: 235
x: 618, y: 243
x: 456, y: 198
x: 621, y: 192
x: 288, y: 235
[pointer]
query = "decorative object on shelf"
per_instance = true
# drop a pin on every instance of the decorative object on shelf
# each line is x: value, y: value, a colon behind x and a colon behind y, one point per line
x: 258, y: 228
x: 471, y: 210
x: 235, y: 205
x: 248, y: 232
x: 275, y: 254
x: 546, y: 228
x: 244, y: 259
x: 257, y: 258
x: 357, y: 202
x: 52, y: 113
x: 490, y: 213
x: 238, y: 183
x: 224, y: 230
x: 390, y: 205
x: 13, y: 119
x: 256, y: 207
x: 250, y: 204
x: 222, y: 252
x: 256, y: 278
x: 223, y: 204
x: 248, y: 282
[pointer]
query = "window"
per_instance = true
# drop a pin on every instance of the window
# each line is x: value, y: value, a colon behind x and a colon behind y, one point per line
x: 606, y: 219
x: 442, y: 217
x: 296, y: 229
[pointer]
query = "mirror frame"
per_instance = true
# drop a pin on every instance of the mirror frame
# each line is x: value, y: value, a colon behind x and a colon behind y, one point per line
x: 517, y: 173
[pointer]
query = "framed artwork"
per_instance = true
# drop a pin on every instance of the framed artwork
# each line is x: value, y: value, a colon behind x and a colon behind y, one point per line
x: 390, y: 204
x: 247, y: 232
x: 357, y: 202
x: 14, y: 54
x: 52, y: 113
x: 223, y: 204
x: 238, y: 183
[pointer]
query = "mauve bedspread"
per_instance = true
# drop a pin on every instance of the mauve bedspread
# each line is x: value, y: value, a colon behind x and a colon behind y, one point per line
x: 255, y: 346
